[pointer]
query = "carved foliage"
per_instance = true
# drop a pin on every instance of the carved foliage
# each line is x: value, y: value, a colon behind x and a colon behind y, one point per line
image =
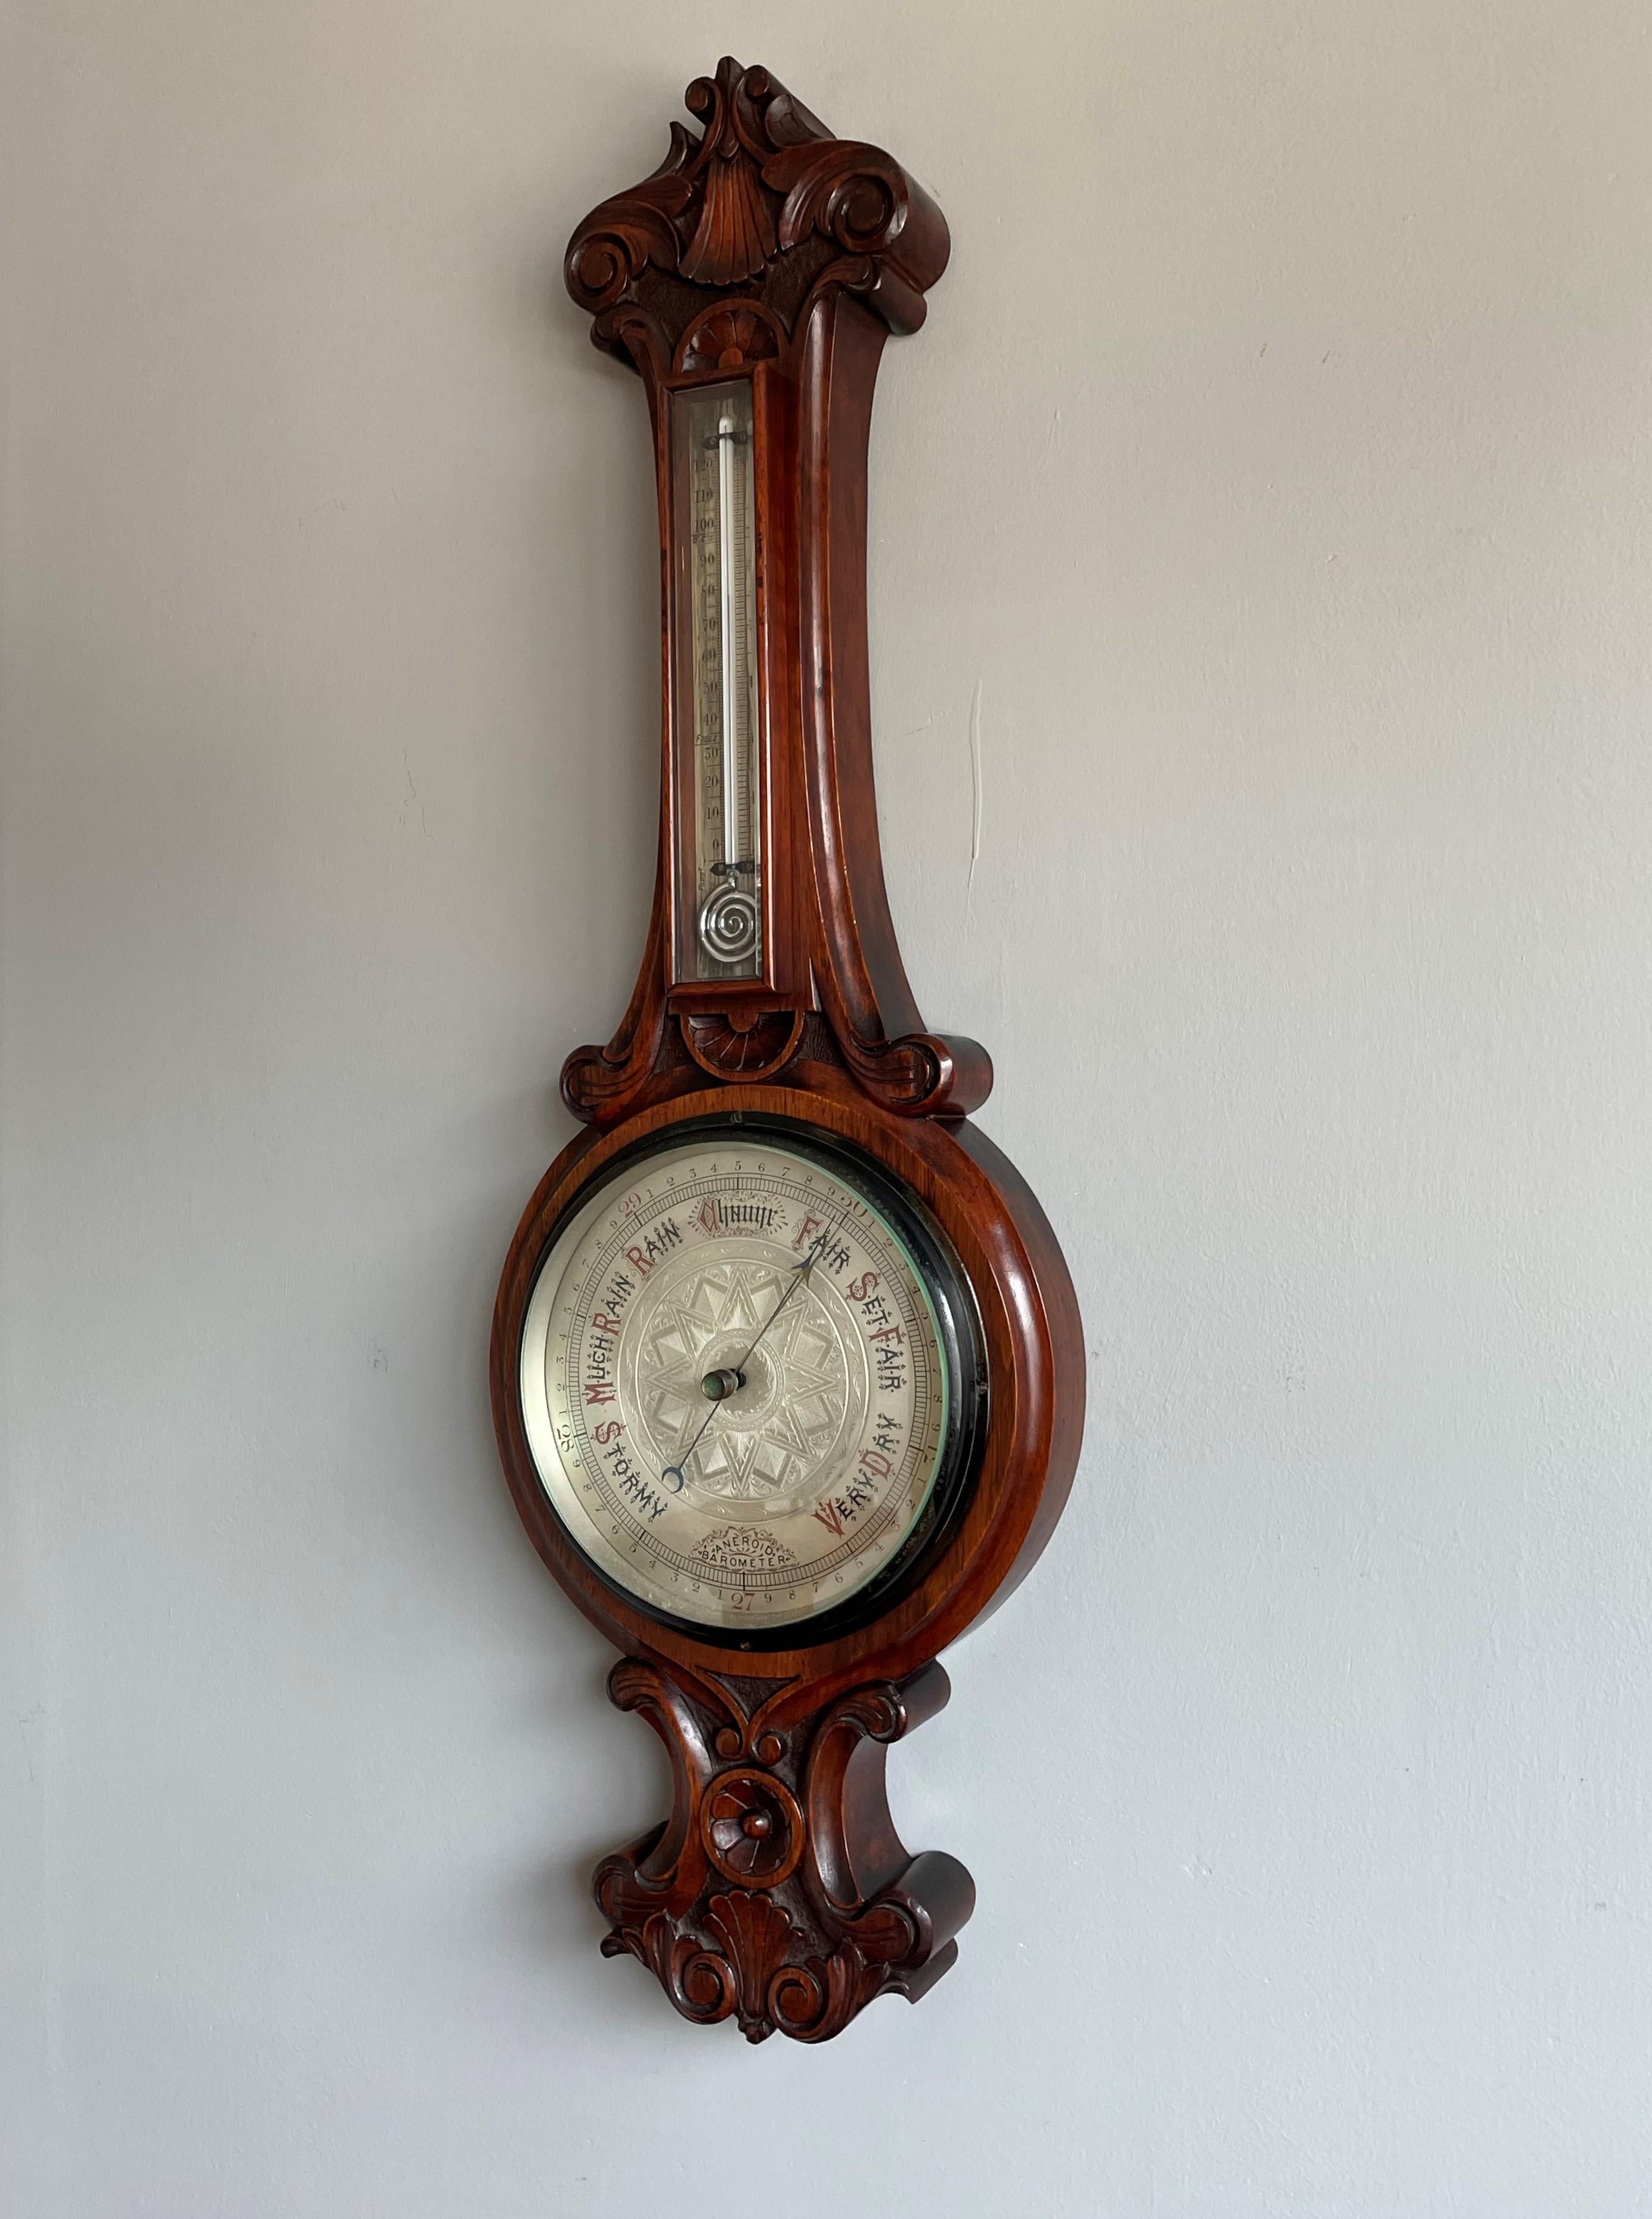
x: 600, y: 1084
x: 785, y: 1910
x: 764, y: 176
x: 919, y: 1074
x: 617, y: 242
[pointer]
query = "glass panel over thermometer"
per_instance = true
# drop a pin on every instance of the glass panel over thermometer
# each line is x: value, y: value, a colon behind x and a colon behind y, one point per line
x: 714, y: 429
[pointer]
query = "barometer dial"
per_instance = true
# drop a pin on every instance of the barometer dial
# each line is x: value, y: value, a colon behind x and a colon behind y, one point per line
x: 748, y: 1380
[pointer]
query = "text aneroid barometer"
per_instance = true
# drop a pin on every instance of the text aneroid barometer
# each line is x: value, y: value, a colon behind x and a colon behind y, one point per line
x: 787, y: 1372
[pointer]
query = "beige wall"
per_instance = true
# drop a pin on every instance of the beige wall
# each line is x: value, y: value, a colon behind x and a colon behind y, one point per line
x: 1274, y: 475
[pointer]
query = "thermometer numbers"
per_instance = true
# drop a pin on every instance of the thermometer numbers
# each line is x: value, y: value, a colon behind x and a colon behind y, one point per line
x: 713, y: 426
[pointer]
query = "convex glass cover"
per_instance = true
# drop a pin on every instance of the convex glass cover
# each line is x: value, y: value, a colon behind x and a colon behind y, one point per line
x: 748, y: 1378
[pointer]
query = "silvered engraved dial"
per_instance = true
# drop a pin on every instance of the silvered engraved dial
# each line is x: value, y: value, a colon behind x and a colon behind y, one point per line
x: 748, y: 1378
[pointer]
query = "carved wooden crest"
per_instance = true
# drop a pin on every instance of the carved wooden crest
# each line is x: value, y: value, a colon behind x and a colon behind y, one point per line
x: 766, y: 200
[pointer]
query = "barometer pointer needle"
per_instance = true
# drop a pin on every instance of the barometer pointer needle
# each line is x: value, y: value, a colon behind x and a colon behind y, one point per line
x: 672, y: 1477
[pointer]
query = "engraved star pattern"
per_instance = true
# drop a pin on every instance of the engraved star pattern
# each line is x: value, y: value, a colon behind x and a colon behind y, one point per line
x: 773, y: 1446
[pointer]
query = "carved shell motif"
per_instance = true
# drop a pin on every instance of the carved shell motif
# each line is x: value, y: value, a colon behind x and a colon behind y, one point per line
x: 748, y: 118
x: 765, y: 174
x: 756, y: 1934
x: 726, y: 339
x: 753, y: 1049
x: 736, y: 234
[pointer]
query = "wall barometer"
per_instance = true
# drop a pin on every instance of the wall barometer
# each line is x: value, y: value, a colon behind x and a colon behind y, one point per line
x: 787, y: 1372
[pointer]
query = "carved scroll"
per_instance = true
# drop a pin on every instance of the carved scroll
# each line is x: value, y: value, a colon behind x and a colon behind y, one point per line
x: 765, y: 198
x: 778, y: 1891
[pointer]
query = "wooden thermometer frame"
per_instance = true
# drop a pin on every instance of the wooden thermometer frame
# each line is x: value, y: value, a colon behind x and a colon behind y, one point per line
x: 766, y: 248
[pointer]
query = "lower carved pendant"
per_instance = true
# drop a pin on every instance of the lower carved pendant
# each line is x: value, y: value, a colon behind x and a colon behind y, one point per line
x: 778, y: 1892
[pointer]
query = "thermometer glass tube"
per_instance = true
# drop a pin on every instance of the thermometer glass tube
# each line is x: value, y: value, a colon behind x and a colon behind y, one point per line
x: 714, y: 425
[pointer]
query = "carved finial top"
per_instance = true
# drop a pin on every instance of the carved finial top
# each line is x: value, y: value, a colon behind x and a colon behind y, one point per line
x: 766, y: 205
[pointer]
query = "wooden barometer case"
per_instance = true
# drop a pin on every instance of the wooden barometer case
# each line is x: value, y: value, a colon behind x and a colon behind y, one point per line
x: 787, y: 1372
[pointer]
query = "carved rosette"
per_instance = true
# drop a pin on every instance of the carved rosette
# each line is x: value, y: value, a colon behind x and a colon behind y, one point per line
x: 752, y: 1828
x: 778, y: 1893
x: 754, y: 1049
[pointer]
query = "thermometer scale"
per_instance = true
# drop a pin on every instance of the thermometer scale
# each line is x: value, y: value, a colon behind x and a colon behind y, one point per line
x: 715, y: 426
